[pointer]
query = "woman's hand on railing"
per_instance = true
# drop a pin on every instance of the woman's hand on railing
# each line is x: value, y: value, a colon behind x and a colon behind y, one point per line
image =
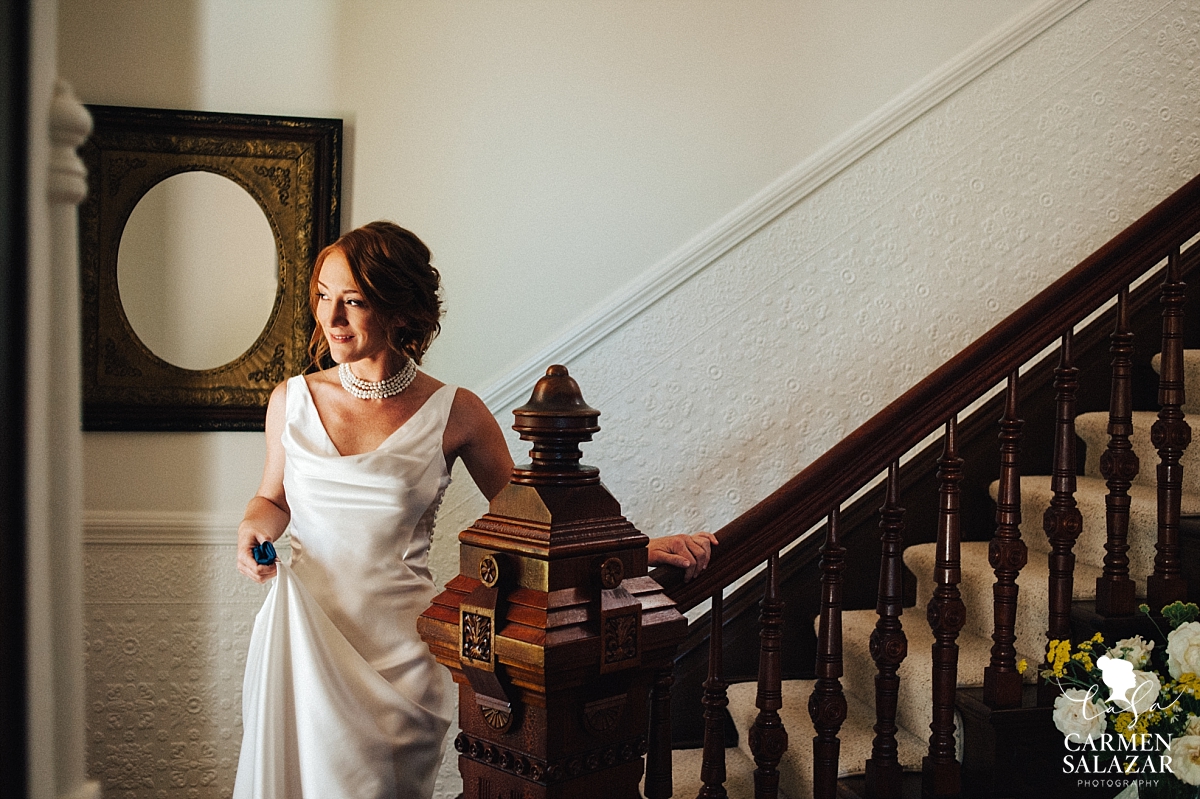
x: 687, y: 552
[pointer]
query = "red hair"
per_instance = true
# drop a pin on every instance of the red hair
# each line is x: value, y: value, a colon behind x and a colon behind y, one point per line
x: 391, y: 269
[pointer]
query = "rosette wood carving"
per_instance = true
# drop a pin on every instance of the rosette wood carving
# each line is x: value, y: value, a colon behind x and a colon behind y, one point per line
x: 602, y: 715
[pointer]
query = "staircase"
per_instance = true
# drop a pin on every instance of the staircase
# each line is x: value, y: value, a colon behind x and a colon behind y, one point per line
x: 953, y: 647
x: 974, y: 642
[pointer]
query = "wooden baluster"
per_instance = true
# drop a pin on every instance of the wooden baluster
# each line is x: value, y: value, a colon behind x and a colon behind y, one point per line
x: 712, y: 772
x: 827, y: 705
x: 941, y: 773
x: 1007, y: 555
x: 658, y: 754
x: 889, y: 646
x: 1171, y: 436
x: 1062, y: 520
x: 768, y: 738
x: 1119, y: 465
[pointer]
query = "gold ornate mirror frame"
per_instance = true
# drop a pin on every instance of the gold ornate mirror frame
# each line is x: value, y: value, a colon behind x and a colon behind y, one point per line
x: 292, y: 167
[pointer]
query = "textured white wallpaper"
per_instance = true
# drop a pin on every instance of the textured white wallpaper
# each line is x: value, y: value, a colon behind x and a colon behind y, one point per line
x: 759, y: 363
x: 167, y: 628
x: 744, y: 374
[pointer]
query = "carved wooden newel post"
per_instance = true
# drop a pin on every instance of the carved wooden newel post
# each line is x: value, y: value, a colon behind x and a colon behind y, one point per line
x: 552, y: 630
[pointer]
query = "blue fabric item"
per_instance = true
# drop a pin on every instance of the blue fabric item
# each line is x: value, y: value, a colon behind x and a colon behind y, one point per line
x: 264, y: 553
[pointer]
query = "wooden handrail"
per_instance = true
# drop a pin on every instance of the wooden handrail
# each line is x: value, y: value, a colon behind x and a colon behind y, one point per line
x: 801, y: 503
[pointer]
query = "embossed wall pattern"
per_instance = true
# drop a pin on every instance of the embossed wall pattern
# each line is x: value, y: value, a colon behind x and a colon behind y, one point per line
x: 166, y: 634
x: 748, y: 370
x: 762, y: 360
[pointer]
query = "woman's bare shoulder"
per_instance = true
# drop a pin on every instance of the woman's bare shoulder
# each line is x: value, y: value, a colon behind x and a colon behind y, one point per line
x: 278, y: 395
x: 468, y: 407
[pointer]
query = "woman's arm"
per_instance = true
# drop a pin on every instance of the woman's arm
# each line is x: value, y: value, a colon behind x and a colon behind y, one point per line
x: 267, y: 514
x: 473, y: 435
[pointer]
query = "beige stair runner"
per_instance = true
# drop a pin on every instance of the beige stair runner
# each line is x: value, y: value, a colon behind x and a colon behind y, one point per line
x: 914, y: 708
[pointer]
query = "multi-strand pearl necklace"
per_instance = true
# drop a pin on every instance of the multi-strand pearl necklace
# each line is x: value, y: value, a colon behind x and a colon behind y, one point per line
x: 388, y: 387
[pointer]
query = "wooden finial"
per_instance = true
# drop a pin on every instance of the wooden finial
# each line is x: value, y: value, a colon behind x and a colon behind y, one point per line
x: 556, y: 420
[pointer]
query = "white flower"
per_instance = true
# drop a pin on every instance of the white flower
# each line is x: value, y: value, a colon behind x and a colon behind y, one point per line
x: 1136, y: 650
x: 1183, y: 650
x: 1185, y: 758
x: 1193, y: 725
x: 1078, y: 716
x: 1142, y: 697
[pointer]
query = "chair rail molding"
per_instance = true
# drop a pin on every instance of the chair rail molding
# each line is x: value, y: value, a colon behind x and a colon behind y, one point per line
x: 159, y: 528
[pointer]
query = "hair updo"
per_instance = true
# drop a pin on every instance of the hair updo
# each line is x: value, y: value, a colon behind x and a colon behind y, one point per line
x: 391, y: 269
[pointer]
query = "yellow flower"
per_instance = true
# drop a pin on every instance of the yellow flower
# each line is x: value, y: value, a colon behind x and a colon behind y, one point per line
x: 1058, y: 655
x: 1187, y: 683
x: 1022, y: 664
x: 1124, y: 724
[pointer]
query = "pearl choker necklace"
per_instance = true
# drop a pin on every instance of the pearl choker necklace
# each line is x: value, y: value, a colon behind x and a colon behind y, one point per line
x: 389, y: 387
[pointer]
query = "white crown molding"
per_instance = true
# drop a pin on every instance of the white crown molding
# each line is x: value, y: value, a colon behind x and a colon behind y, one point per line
x: 766, y: 206
x: 174, y: 528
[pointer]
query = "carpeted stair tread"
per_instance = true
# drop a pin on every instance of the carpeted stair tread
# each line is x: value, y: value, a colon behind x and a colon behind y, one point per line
x: 914, y: 711
x: 1093, y: 429
x: 739, y: 774
x: 856, y: 734
x: 978, y: 577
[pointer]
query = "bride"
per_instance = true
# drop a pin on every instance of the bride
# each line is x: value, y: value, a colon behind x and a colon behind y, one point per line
x: 341, y: 697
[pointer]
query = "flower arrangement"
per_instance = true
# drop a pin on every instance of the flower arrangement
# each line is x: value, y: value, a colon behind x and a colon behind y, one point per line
x: 1131, y: 709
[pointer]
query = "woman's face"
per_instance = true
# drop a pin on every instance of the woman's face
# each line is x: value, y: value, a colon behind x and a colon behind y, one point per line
x: 349, y: 325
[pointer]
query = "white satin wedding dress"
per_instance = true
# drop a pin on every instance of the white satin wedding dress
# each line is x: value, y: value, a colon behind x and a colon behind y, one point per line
x: 341, y: 696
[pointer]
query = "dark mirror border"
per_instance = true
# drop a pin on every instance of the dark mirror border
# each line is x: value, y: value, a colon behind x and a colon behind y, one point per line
x: 292, y: 167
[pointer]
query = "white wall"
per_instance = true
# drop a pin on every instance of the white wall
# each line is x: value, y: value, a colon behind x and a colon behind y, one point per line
x: 576, y: 145
x: 548, y: 152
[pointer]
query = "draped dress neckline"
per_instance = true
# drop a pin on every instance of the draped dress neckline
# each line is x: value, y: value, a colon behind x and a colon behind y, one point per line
x: 333, y: 450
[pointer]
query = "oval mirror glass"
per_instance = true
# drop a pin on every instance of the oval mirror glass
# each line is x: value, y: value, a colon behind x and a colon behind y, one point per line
x: 197, y: 270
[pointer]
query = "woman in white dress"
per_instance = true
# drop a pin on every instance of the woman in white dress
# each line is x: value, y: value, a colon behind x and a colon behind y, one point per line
x: 341, y: 697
